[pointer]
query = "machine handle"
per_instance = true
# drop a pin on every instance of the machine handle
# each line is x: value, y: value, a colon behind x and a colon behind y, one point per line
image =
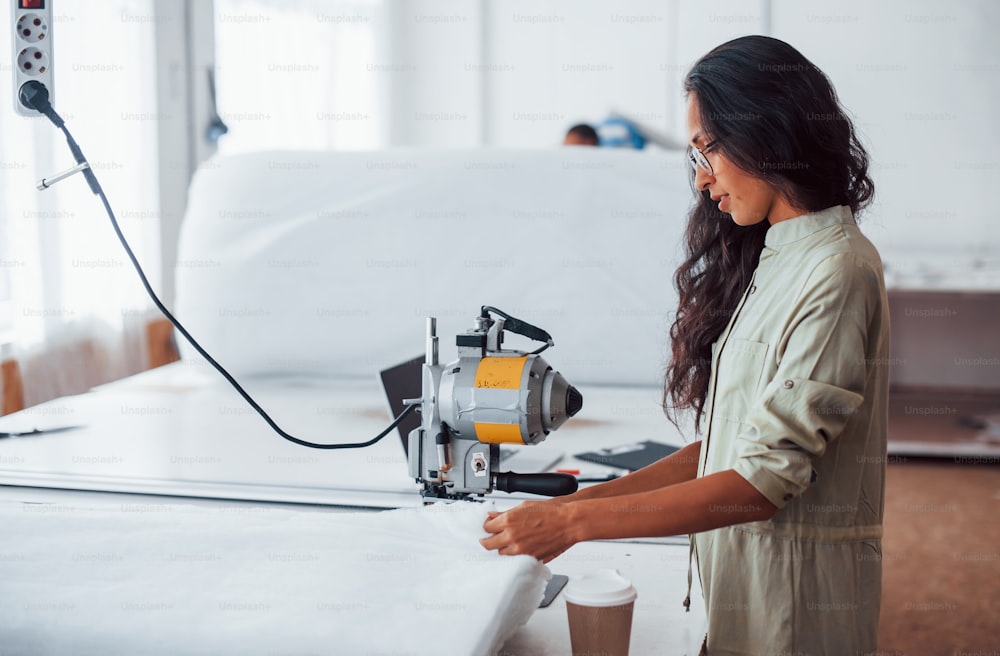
x: 550, y: 485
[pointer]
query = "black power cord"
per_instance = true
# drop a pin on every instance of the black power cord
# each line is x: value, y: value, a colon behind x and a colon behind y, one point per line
x: 35, y: 96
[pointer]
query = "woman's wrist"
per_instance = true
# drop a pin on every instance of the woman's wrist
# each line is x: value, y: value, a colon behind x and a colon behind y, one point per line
x: 574, y: 521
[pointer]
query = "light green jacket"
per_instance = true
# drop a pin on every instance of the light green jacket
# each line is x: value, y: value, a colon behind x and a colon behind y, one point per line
x: 797, y: 405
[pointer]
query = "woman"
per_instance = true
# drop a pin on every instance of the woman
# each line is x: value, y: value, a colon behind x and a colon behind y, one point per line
x: 780, y: 347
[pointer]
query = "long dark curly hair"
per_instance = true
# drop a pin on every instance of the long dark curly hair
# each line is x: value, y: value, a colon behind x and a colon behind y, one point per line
x: 775, y: 116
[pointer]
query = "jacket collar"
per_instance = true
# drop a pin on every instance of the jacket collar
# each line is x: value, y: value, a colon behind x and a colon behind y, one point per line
x: 785, y: 232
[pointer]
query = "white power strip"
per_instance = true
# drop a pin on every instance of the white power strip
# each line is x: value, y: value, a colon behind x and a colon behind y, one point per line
x: 32, y: 22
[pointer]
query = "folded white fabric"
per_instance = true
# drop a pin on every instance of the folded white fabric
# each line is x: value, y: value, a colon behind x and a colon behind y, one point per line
x: 140, y: 578
x: 337, y: 257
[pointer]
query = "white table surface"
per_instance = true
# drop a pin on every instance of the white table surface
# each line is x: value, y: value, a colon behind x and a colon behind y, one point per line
x: 179, y: 431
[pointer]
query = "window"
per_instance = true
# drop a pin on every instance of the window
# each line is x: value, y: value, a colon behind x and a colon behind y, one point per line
x: 61, y: 267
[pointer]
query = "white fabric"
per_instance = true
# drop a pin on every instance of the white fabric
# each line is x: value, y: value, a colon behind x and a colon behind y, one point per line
x: 141, y: 578
x: 328, y: 262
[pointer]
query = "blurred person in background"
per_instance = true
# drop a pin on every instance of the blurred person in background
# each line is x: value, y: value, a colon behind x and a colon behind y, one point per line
x: 581, y: 134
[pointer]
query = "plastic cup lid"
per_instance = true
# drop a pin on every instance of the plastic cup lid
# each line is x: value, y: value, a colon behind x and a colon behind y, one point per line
x: 603, y: 587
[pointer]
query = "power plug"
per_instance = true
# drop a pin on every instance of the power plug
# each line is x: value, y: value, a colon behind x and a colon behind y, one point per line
x: 32, y: 21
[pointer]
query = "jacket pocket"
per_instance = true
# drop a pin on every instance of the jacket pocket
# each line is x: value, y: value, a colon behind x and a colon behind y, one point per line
x: 738, y: 378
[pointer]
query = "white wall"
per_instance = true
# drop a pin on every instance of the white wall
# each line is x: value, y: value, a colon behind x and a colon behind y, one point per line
x: 562, y: 63
x: 434, y: 49
x: 922, y: 78
x: 518, y: 73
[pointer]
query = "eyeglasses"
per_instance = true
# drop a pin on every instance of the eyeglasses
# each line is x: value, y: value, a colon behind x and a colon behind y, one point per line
x: 697, y: 157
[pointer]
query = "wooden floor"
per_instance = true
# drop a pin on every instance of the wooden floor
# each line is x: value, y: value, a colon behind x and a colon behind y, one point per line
x: 941, y: 560
x: 941, y: 550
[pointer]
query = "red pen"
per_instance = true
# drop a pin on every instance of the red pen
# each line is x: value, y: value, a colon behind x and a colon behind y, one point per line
x: 590, y: 478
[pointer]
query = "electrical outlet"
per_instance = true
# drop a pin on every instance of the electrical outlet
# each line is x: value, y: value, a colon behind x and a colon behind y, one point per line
x: 32, y: 21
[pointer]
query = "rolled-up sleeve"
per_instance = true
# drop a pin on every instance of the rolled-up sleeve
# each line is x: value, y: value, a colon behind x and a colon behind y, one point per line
x: 822, y: 364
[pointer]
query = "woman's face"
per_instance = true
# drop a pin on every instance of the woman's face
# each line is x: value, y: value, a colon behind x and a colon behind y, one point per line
x: 747, y: 199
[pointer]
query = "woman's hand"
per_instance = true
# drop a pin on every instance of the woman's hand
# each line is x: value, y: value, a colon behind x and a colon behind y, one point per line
x: 542, y: 529
x: 546, y: 529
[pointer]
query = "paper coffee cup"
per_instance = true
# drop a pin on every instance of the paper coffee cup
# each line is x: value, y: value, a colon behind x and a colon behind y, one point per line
x: 599, y: 607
